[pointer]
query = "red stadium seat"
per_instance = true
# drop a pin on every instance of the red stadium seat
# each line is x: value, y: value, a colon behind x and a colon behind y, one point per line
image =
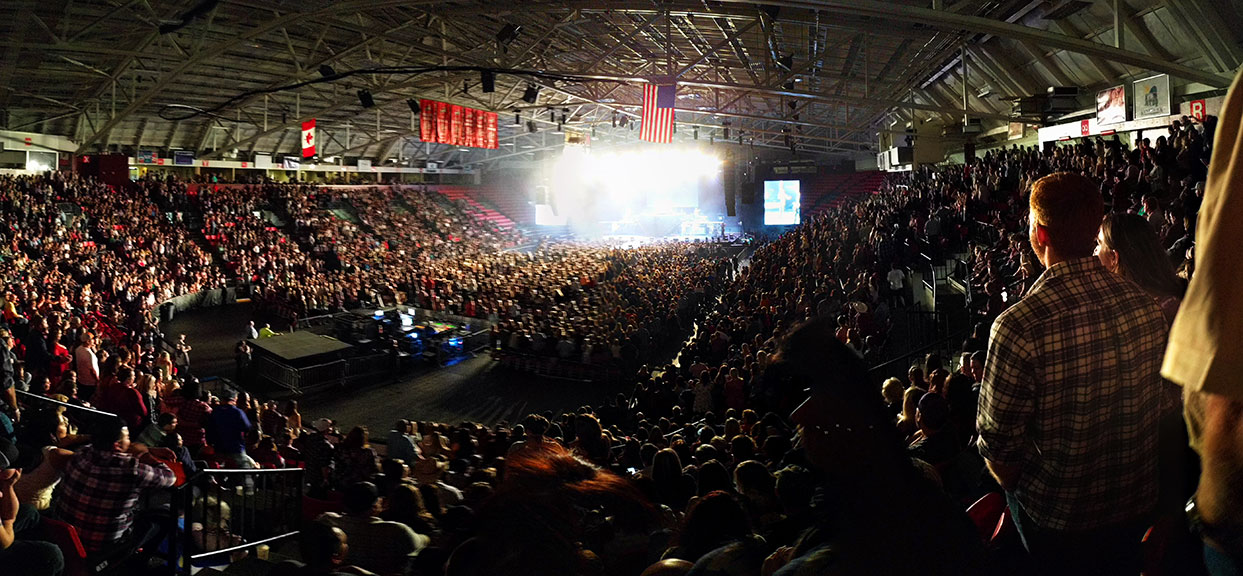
x: 313, y: 507
x: 65, y: 537
x: 986, y: 513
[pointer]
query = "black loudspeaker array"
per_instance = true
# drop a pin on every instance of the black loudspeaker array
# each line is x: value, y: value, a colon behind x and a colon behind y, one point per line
x: 729, y: 181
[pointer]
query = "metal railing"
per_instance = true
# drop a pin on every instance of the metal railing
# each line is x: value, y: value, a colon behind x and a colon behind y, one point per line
x: 897, y: 367
x: 85, y: 418
x: 554, y: 367
x: 226, y: 511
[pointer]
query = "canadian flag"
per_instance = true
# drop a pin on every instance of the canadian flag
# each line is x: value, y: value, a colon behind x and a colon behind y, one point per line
x: 308, y: 138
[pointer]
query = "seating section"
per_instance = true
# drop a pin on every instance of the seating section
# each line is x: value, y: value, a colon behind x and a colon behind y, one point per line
x: 482, y: 213
x: 838, y: 189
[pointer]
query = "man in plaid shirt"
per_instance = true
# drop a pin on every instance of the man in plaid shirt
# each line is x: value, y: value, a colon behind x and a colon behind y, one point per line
x: 102, y: 484
x: 1071, y: 395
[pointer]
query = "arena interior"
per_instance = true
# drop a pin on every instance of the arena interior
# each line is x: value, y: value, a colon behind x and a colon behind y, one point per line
x: 621, y: 288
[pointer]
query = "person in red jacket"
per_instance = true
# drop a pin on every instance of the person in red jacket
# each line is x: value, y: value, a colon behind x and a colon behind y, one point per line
x: 123, y: 399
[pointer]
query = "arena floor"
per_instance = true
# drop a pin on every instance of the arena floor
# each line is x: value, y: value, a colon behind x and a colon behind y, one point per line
x: 475, y: 390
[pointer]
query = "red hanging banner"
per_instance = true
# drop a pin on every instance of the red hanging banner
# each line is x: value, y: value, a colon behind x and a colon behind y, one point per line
x: 443, y: 123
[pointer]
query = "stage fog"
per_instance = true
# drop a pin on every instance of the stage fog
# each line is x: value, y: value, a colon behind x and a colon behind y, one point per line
x: 650, y: 192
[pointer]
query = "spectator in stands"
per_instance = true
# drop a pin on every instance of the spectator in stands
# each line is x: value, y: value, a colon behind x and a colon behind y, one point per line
x: 1083, y: 502
x: 87, y: 366
x: 935, y: 442
x: 535, y: 427
x: 181, y: 359
x: 22, y: 556
x: 383, y: 547
x: 892, y: 392
x: 405, y: 505
x: 42, y: 458
x: 102, y: 484
x: 1203, y: 352
x: 847, y: 434
x: 908, y: 420
x: 556, y: 514
x: 227, y: 427
x: 712, y: 521
x: 355, y: 461
x: 266, y: 454
x: 401, y: 443
x: 317, y: 450
x: 165, y: 424
x: 8, y: 380
x: 324, y: 550
x: 120, y: 397
x: 192, y: 414
x: 1127, y: 245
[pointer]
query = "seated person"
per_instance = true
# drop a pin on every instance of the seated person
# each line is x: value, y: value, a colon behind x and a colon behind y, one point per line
x: 380, y: 546
x: 102, y: 484
x: 26, y: 557
x: 934, y: 443
x: 324, y: 550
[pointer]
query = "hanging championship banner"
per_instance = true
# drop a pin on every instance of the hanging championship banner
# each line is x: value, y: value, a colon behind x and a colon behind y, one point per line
x: 443, y: 123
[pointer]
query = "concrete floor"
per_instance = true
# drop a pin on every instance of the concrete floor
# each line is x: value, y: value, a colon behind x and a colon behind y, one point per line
x: 475, y: 390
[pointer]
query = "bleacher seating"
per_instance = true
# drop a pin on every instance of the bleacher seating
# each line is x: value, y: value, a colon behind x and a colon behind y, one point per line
x: 481, y: 212
x: 836, y: 189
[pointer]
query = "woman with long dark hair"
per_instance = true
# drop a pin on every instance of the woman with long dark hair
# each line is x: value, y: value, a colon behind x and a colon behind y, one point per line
x: 1127, y: 245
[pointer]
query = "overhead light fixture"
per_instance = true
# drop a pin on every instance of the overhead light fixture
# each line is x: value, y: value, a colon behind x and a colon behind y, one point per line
x: 531, y: 94
x: 531, y: 127
x: 517, y: 119
x: 507, y: 35
x: 326, y: 71
x: 364, y: 98
x: 414, y: 106
x: 786, y: 61
x: 527, y: 146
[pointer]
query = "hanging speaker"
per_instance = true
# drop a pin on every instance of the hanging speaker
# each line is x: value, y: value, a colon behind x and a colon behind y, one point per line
x: 488, y: 81
x: 531, y: 94
x: 364, y: 98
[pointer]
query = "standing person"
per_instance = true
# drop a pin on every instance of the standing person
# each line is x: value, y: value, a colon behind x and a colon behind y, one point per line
x: 897, y: 280
x: 1203, y: 355
x: 86, y: 364
x: 1071, y: 398
x: 242, y: 358
x: 227, y: 427
x: 1127, y: 245
x: 182, y: 360
x: 8, y: 378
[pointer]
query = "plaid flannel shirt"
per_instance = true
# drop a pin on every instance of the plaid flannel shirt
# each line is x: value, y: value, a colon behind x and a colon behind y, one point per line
x: 1072, y: 395
x: 100, y: 490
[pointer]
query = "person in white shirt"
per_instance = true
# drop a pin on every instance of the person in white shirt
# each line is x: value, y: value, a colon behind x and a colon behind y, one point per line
x: 896, y: 279
x: 86, y: 364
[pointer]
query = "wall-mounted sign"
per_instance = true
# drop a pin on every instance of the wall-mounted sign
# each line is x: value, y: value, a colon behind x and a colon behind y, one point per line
x: 1111, y: 105
x: 1152, y: 96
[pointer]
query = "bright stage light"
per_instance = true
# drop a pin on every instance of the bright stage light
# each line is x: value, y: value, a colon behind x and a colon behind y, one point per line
x: 594, y: 189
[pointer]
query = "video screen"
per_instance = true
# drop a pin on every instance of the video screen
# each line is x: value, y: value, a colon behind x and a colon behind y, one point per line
x: 781, y: 201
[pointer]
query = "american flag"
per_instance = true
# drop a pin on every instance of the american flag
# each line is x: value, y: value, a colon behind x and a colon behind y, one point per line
x: 658, y: 103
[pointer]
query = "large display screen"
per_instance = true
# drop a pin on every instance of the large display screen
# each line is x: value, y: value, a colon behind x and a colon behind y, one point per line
x: 781, y: 202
